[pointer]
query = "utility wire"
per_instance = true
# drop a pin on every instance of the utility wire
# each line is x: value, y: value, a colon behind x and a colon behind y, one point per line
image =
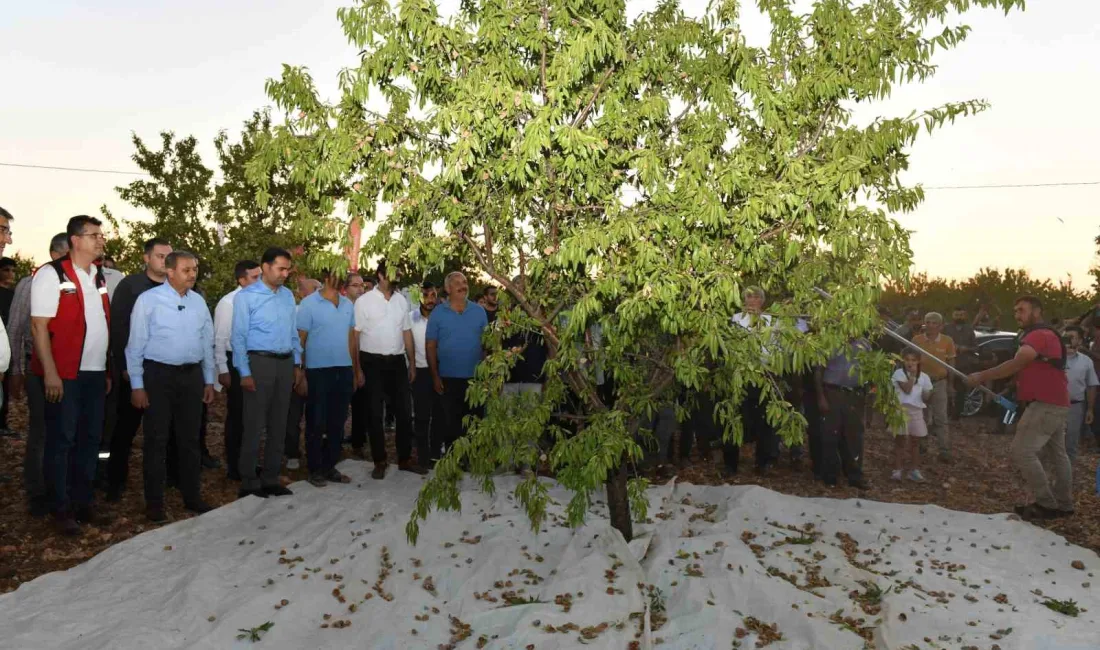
x: 72, y: 169
x: 927, y: 187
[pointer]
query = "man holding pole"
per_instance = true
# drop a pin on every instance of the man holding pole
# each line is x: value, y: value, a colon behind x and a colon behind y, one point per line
x: 1042, y: 387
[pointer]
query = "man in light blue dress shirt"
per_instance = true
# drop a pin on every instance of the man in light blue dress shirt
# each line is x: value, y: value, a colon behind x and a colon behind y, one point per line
x: 268, y: 354
x: 170, y: 358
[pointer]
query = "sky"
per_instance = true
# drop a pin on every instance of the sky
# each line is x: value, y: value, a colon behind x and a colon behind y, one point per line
x: 78, y: 79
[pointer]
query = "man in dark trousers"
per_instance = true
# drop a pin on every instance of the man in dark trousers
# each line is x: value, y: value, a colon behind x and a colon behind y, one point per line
x: 24, y: 381
x: 7, y: 294
x: 69, y: 318
x: 426, y: 408
x: 170, y: 361
x: 247, y: 272
x: 453, y: 345
x: 388, y: 360
x: 128, y: 419
x: 840, y: 400
x: 355, y: 287
x: 268, y: 354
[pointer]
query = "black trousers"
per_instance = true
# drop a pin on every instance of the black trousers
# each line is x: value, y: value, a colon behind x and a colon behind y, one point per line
x: 173, y: 453
x: 127, y: 421
x: 427, y: 418
x: 292, y: 446
x: 813, y: 428
x: 842, y: 435
x: 234, y: 421
x: 387, y: 378
x: 755, y: 426
x: 454, y: 409
x: 699, y: 427
x: 359, y: 417
x: 175, y: 410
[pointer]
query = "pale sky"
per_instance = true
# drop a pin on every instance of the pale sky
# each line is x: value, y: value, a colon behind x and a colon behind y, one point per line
x: 79, y: 77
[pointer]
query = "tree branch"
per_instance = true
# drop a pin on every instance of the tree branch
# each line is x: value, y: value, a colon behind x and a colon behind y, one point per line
x: 583, y: 115
x: 520, y: 295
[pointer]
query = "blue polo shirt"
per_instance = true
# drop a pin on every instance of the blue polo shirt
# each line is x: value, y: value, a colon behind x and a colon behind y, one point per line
x: 458, y: 337
x: 326, y: 327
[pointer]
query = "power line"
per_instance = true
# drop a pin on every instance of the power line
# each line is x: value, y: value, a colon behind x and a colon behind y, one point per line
x: 72, y: 169
x: 1007, y: 186
x: 927, y: 187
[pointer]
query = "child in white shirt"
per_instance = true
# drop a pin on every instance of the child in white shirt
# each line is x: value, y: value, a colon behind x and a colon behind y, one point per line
x: 913, y: 388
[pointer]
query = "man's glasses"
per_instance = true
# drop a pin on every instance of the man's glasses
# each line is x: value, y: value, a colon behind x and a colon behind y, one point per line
x: 5, y: 230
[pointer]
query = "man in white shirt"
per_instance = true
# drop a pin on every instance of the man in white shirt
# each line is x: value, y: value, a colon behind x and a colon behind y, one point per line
x: 387, y: 357
x: 247, y: 272
x: 753, y: 413
x: 1082, y: 379
x: 69, y: 307
x: 426, y: 405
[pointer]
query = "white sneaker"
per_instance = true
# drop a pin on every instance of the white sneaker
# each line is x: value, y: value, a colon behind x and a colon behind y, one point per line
x: 896, y: 475
x: 292, y: 463
x: 915, y: 475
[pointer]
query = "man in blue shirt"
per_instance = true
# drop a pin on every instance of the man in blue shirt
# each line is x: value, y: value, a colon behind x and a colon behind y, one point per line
x: 453, y: 346
x: 326, y: 325
x: 170, y: 360
x: 268, y: 354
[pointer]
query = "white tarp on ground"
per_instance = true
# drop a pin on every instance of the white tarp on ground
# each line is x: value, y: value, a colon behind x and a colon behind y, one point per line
x: 948, y: 579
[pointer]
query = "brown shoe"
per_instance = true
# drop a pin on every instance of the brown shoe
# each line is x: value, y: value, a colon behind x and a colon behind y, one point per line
x: 66, y: 524
x: 409, y: 466
x: 379, y: 472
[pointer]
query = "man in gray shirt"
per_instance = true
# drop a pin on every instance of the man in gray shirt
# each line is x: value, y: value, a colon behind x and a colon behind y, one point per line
x: 1081, y: 374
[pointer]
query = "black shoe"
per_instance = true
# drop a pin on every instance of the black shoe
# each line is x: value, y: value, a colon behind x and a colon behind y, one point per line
x: 1036, y: 512
x: 379, y: 471
x: 66, y: 524
x: 1063, y: 513
x: 277, y: 491
x: 88, y: 515
x: 860, y: 484
x: 198, y: 507
x: 209, y: 462
x: 242, y: 493
x: 38, y: 507
x: 156, y: 514
x: 335, y: 476
x: 233, y: 476
x: 114, y: 495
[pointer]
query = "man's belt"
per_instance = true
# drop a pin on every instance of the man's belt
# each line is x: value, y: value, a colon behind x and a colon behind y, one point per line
x: 174, y: 366
x: 267, y: 354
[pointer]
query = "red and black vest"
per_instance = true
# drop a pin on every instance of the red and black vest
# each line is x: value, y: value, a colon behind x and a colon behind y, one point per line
x: 67, y: 328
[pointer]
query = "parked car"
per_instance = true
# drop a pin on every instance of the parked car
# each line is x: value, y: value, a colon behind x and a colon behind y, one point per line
x: 994, y: 348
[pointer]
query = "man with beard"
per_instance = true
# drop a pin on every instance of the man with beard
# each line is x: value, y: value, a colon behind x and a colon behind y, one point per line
x: 1042, y: 386
x: 453, y: 347
x: 488, y: 302
x: 426, y: 404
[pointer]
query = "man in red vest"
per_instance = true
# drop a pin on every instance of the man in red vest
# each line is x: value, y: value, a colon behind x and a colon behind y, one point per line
x: 70, y: 311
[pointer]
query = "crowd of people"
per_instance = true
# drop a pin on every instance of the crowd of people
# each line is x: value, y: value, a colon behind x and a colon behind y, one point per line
x: 99, y: 355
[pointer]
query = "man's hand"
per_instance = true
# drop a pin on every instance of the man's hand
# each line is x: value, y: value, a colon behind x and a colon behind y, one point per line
x: 208, y: 394
x: 126, y: 375
x: 1089, y: 417
x: 16, y: 384
x: 822, y: 404
x: 225, y: 379
x: 55, y: 389
x: 248, y: 383
x: 109, y: 384
x: 360, y: 380
x: 301, y: 386
x: 299, y: 379
x: 974, y: 379
x: 412, y: 374
x: 437, y: 383
x: 139, y: 398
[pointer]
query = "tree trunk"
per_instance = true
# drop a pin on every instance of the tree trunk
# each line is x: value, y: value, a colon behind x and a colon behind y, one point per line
x: 618, y: 504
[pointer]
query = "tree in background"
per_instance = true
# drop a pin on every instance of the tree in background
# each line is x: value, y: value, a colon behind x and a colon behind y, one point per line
x: 24, y: 266
x: 218, y: 219
x: 636, y: 175
x: 995, y: 289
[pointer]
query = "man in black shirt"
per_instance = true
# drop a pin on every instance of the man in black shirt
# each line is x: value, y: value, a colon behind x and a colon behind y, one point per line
x: 962, y: 333
x: 489, y: 302
x: 121, y: 438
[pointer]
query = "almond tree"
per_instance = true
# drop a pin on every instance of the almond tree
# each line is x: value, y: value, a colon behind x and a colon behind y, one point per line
x: 633, y: 175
